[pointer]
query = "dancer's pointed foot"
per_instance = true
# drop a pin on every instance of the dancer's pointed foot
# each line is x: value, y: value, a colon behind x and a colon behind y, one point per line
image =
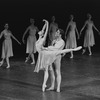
x: 90, y: 54
x: 8, y: 66
x: 50, y: 89
x: 1, y: 63
x: 71, y: 57
x: 83, y: 52
x: 58, y: 90
x: 43, y: 88
x: 33, y: 63
x: 78, y: 48
x: 26, y: 59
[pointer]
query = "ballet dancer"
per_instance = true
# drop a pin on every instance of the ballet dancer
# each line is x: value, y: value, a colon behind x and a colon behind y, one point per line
x: 30, y: 49
x: 71, y: 36
x: 89, y: 40
x: 7, y: 49
x: 52, y: 29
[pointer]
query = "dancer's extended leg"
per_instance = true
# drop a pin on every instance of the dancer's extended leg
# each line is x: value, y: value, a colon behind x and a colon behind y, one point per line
x: 68, y: 50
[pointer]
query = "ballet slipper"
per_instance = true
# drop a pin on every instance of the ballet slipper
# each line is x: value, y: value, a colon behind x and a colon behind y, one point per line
x: 43, y: 88
x: 83, y: 52
x: 1, y: 63
x: 71, y: 57
x: 50, y: 89
x: 26, y: 59
x: 90, y: 54
x: 8, y: 66
x: 58, y: 90
x: 33, y: 63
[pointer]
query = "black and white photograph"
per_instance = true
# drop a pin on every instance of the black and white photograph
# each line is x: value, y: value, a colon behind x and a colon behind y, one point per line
x: 49, y: 50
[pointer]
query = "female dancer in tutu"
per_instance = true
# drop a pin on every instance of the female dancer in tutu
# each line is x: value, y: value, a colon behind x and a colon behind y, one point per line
x: 71, y: 36
x: 89, y: 40
x: 47, y: 55
x: 31, y: 49
x: 7, y: 50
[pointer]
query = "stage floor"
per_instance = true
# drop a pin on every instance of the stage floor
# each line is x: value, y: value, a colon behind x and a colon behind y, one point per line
x: 80, y: 80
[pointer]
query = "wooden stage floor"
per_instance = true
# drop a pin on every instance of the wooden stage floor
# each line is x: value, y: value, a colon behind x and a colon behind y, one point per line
x: 80, y: 80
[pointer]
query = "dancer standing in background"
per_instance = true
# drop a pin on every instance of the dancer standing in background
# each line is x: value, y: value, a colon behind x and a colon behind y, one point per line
x: 89, y: 39
x: 31, y: 49
x: 71, y: 36
x: 7, y: 50
x: 52, y: 29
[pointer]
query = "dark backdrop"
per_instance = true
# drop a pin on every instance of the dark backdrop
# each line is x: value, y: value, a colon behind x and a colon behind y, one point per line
x: 18, y: 12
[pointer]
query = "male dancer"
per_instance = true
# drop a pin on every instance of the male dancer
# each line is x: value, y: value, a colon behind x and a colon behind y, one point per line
x: 58, y: 45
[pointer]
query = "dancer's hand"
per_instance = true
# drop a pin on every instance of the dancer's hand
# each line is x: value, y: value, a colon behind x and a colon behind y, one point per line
x: 44, y: 20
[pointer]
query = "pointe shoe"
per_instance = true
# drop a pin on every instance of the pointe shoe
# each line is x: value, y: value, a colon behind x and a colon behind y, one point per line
x: 90, y: 54
x: 78, y: 48
x: 71, y: 57
x: 43, y: 88
x: 50, y: 89
x: 33, y: 63
x: 83, y: 52
x: 8, y: 66
x: 26, y: 59
x: 1, y: 63
x: 58, y: 90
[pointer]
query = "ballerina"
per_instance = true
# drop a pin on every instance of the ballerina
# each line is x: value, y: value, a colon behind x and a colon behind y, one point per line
x: 89, y: 39
x: 71, y: 36
x: 47, y: 55
x: 52, y: 29
x: 7, y: 50
x: 31, y: 49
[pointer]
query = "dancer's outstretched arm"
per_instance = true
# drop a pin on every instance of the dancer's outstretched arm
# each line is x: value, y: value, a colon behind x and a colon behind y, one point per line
x: 1, y: 34
x: 15, y: 39
x: 46, y: 31
x: 25, y: 34
x: 77, y: 32
x: 96, y: 29
x: 83, y: 27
